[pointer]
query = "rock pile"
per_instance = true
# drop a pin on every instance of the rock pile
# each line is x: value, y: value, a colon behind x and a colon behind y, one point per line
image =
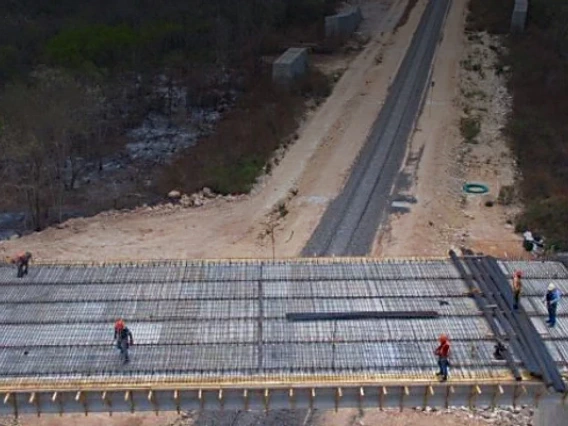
x: 197, y: 199
x: 500, y: 416
x: 504, y: 416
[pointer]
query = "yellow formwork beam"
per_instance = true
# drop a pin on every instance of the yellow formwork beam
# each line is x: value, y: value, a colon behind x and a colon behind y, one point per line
x: 272, y: 382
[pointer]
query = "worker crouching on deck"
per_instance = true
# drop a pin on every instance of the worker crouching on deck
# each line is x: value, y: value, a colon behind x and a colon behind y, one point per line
x: 22, y: 261
x: 123, y: 338
x: 443, y: 354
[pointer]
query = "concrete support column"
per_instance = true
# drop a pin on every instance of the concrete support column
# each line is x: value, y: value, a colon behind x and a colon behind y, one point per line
x: 551, y: 413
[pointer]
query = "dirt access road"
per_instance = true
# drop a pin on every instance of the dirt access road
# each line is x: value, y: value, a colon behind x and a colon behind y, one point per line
x: 311, y: 173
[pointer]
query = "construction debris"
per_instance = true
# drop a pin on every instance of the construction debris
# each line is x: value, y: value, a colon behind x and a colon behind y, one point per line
x: 341, y: 316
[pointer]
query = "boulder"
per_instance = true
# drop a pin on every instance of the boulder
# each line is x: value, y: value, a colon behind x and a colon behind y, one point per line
x: 174, y: 195
x: 186, y: 201
x: 207, y: 193
x: 196, y: 200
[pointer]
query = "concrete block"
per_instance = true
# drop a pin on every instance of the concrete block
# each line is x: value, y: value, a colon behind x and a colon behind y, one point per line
x: 519, y: 16
x: 343, y: 24
x: 290, y: 65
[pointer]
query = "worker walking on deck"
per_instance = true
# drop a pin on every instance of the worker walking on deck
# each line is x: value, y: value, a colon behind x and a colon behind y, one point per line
x: 517, y: 289
x: 443, y: 354
x: 123, y: 338
x: 551, y: 299
x: 22, y: 261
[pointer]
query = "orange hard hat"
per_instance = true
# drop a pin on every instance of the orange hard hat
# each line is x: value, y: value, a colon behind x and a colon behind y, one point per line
x: 119, y: 323
x: 443, y: 338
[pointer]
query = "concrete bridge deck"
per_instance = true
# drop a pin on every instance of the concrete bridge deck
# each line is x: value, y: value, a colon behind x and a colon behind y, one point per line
x: 214, y: 334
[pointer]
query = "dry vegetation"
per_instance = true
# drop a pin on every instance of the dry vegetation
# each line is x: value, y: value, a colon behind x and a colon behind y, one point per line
x: 537, y: 65
x: 103, y: 62
x: 230, y: 160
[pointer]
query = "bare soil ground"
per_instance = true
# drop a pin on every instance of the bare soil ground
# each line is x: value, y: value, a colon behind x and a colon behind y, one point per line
x: 396, y: 418
x: 97, y: 420
x: 440, y: 161
x: 344, y: 417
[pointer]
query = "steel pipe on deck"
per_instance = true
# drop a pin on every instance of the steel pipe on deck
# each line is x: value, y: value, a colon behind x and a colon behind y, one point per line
x: 525, y: 326
x: 483, y: 307
x: 344, y: 316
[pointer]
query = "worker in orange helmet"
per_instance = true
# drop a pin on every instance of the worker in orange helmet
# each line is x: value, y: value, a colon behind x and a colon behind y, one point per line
x: 22, y: 260
x: 517, y: 289
x: 443, y: 354
x: 123, y: 338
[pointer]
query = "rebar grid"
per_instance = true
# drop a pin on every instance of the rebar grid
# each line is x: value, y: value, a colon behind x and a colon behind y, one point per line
x: 341, y: 289
x: 294, y: 359
x: 208, y: 320
x: 538, y: 287
x: 535, y: 269
x: 306, y: 270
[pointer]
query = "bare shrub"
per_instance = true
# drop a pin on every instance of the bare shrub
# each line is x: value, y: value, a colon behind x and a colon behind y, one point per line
x: 506, y: 195
x: 470, y: 128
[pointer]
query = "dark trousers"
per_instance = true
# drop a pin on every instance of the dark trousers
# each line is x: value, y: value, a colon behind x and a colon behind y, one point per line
x: 443, y: 363
x: 22, y: 268
x: 123, y: 346
x: 516, y: 298
x: 552, y: 313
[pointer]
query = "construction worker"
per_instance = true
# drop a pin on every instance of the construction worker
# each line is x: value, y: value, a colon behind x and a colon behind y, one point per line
x: 517, y: 289
x: 551, y: 299
x: 22, y: 261
x: 443, y: 354
x: 123, y: 338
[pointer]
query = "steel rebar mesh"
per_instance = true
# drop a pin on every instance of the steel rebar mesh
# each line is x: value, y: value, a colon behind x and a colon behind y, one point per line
x: 348, y: 288
x: 540, y: 269
x: 228, y: 318
x: 394, y: 357
x: 305, y: 271
x: 538, y: 287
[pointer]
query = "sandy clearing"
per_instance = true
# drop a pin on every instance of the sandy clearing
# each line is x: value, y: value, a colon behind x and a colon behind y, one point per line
x: 316, y: 165
x: 100, y: 420
x: 439, y: 161
x: 343, y: 417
